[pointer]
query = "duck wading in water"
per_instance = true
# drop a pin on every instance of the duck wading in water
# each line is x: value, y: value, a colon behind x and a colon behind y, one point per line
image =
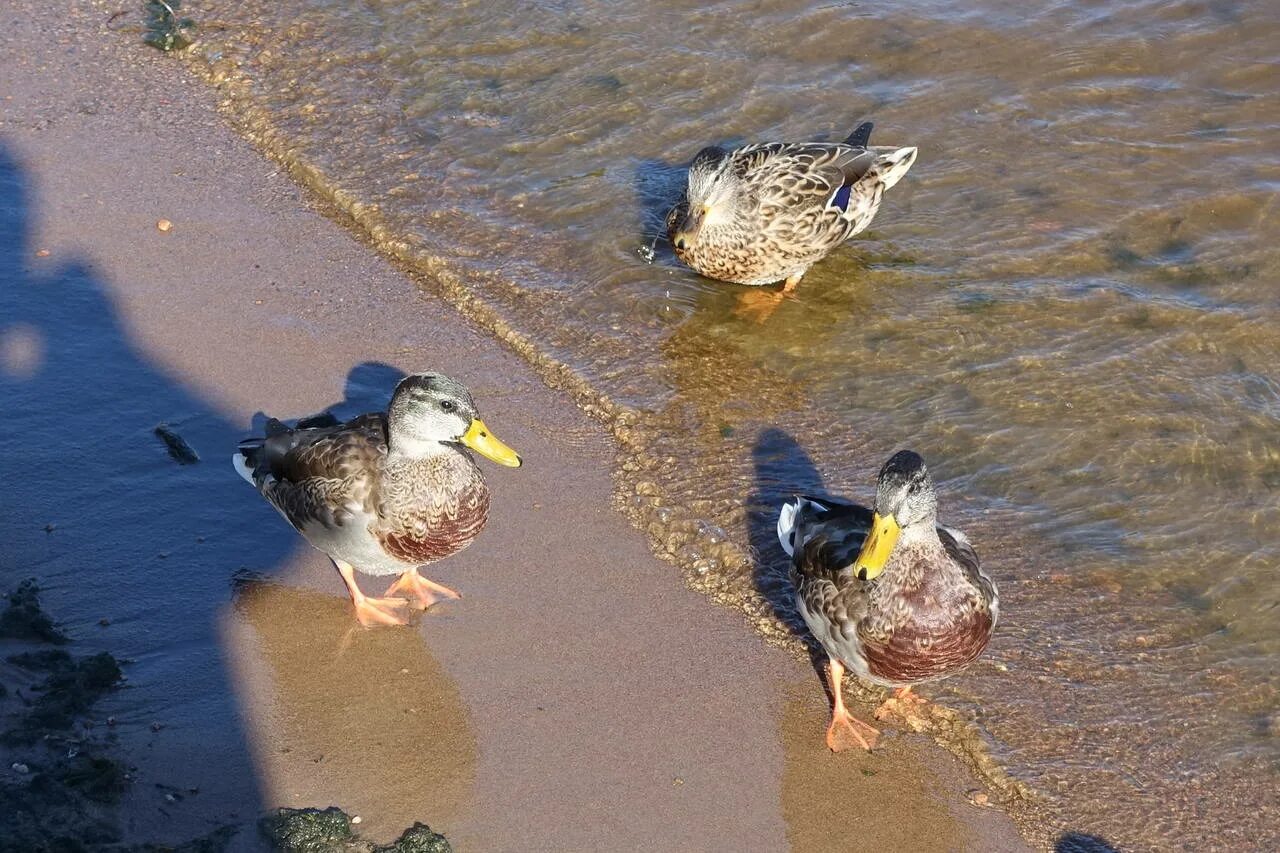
x: 384, y: 493
x: 765, y: 213
x: 889, y: 593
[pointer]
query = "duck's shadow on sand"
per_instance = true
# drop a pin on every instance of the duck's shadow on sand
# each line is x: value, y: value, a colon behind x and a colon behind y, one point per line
x: 368, y: 388
x: 1080, y: 842
x: 783, y: 469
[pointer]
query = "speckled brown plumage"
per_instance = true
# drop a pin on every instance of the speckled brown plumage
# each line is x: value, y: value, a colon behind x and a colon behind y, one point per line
x: 767, y: 212
x: 418, y: 510
x: 930, y: 612
x: 383, y: 493
x: 431, y: 511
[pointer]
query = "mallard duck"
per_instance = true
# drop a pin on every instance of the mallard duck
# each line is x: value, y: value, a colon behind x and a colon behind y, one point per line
x: 889, y: 593
x: 383, y: 493
x: 768, y: 212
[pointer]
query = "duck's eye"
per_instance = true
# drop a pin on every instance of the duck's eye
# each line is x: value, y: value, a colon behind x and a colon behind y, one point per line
x: 448, y: 405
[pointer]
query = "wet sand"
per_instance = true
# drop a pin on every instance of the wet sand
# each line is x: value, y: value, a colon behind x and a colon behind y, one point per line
x: 578, y: 697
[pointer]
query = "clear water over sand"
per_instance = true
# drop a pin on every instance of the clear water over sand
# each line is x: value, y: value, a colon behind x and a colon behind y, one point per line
x: 1069, y: 306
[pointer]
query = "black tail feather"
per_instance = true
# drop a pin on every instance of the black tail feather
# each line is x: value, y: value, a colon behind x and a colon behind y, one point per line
x: 861, y: 135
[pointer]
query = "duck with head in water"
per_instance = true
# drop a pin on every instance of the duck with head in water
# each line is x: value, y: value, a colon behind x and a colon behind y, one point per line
x: 765, y: 213
x: 889, y: 592
x: 384, y: 493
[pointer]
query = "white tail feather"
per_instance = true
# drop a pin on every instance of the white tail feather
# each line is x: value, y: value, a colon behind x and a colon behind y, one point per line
x: 787, y: 525
x: 242, y: 467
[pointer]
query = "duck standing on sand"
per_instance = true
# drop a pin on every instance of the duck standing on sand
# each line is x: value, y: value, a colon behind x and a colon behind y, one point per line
x: 383, y: 493
x: 768, y: 212
x: 889, y: 593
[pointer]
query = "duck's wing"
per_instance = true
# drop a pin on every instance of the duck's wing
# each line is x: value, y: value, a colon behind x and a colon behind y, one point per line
x: 789, y: 180
x: 962, y: 553
x: 324, y: 475
x: 824, y: 537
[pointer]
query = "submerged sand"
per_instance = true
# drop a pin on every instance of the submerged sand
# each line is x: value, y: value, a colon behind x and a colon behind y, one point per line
x: 579, y: 697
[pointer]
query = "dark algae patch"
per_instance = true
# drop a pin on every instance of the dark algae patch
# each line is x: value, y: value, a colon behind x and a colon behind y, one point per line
x: 70, y: 690
x: 330, y: 831
x: 23, y: 619
x: 63, y: 786
x: 179, y: 450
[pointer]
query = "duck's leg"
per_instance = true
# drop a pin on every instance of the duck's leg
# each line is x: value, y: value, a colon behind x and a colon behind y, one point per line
x: 422, y: 592
x: 370, y: 611
x: 845, y: 730
x: 905, y: 705
x: 759, y: 304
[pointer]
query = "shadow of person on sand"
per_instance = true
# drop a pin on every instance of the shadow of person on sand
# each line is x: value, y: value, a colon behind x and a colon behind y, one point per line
x: 116, y: 529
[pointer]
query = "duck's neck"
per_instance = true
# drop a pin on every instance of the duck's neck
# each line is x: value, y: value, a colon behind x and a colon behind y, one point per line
x: 408, y: 448
x: 920, y: 536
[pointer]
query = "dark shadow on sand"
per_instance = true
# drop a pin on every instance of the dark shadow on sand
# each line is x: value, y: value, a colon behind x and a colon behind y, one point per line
x: 783, y: 469
x: 115, y: 529
x: 1080, y: 842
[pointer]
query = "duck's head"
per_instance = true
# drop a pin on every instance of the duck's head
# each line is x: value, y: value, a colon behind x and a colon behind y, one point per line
x: 710, y: 197
x: 905, y: 501
x: 428, y: 410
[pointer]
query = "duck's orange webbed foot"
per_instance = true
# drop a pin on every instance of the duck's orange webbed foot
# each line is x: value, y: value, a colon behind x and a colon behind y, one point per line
x: 370, y: 611
x: 373, y: 612
x: 845, y: 730
x: 906, y: 706
x: 422, y: 593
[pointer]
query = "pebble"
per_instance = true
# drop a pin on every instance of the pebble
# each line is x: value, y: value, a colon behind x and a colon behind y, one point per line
x: 163, y: 224
x: 979, y: 798
x: 357, y: 819
x: 42, y: 253
x: 19, y: 767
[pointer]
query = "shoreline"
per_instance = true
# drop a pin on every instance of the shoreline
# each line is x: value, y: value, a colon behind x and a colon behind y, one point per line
x: 704, y: 726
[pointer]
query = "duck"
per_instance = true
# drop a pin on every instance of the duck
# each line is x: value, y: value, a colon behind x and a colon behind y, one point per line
x: 889, y: 592
x: 386, y: 492
x: 767, y: 212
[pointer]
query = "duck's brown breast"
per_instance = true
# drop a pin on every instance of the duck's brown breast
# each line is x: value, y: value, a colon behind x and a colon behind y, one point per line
x: 930, y: 626
x: 429, y: 514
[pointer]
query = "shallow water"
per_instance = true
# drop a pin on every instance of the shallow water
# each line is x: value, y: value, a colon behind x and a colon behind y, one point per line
x: 1068, y: 306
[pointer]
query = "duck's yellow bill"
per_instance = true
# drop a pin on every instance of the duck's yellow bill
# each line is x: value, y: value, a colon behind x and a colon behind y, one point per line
x: 479, y: 439
x: 875, y: 552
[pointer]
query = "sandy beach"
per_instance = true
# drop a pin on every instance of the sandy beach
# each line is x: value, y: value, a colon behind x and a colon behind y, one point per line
x: 579, y: 696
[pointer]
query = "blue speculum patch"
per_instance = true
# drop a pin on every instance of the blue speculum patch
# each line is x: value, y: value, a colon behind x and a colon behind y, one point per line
x: 841, y: 198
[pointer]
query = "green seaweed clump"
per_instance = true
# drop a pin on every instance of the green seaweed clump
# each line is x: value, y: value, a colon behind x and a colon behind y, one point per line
x: 165, y: 30
x: 24, y: 620
x: 329, y: 831
x: 418, y: 839
x: 308, y: 830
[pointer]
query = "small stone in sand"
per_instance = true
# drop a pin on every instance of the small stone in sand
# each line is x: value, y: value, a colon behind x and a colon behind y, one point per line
x: 42, y: 253
x: 163, y: 224
x: 979, y: 798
